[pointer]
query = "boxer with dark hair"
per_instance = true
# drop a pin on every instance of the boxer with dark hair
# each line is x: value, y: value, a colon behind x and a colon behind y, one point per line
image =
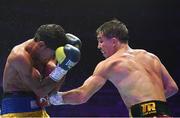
x: 141, y: 79
x: 35, y: 68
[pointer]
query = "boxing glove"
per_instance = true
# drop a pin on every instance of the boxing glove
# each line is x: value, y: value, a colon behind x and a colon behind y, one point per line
x: 56, y: 99
x: 73, y: 40
x: 67, y: 57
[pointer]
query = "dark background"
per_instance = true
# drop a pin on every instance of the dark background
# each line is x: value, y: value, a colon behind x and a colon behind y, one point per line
x: 153, y: 25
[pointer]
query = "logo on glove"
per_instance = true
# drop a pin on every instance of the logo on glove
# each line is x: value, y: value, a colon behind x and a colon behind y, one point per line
x: 70, y: 64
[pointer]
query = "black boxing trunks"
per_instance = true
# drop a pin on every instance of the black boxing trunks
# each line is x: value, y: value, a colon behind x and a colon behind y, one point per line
x: 150, y: 109
x: 21, y: 104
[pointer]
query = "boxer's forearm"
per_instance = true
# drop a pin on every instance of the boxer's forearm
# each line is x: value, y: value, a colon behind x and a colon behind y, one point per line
x: 45, y: 87
x: 72, y: 97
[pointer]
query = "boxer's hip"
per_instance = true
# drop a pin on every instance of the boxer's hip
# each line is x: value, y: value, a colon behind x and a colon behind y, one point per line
x: 41, y: 113
x: 20, y: 104
x: 150, y: 108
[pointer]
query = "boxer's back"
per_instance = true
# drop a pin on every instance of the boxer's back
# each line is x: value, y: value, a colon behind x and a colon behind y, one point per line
x: 136, y: 74
x: 11, y: 77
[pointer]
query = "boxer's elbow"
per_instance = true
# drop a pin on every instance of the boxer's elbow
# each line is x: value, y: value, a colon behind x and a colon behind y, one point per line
x: 40, y: 93
x: 45, y: 87
x: 175, y: 89
x: 171, y: 90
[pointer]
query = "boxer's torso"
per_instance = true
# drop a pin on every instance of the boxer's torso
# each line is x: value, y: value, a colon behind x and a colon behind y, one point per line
x: 136, y: 74
x: 12, y: 80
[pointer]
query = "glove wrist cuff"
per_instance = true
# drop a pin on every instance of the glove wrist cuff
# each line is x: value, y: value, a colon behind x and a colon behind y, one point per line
x: 57, y: 74
x: 56, y: 99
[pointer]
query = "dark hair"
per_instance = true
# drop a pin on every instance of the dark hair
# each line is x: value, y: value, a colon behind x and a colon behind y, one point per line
x: 114, y: 28
x: 52, y: 34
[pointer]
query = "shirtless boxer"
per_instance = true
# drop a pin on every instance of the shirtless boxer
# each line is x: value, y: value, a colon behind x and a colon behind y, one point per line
x: 31, y: 72
x: 141, y: 79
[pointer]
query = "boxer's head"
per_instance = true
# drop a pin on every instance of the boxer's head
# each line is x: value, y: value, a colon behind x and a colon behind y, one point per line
x: 52, y: 34
x: 110, y: 36
x: 114, y: 28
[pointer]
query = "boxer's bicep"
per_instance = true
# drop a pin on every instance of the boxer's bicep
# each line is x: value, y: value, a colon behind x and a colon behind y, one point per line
x: 95, y: 81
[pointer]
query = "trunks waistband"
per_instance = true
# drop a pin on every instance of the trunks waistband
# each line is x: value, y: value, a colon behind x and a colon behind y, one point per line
x: 150, y: 108
x: 19, y: 102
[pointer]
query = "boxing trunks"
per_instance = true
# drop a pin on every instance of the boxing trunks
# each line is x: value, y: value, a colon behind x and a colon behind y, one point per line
x: 21, y: 104
x: 150, y: 109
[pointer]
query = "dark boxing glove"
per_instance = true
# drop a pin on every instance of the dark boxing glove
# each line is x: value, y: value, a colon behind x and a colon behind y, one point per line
x: 67, y: 57
x: 73, y: 40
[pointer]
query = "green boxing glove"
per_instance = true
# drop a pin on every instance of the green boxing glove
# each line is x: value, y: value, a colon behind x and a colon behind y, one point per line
x: 67, y: 57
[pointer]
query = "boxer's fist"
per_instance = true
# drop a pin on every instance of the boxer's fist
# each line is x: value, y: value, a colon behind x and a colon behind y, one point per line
x: 67, y: 57
x: 56, y: 98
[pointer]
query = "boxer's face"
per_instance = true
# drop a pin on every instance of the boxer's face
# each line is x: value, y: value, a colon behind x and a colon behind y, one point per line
x: 106, y: 45
x: 42, y: 52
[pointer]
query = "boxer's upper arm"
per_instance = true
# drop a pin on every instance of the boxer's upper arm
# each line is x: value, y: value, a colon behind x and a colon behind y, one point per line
x: 31, y: 77
x: 94, y: 82
x: 25, y: 70
x: 92, y: 85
